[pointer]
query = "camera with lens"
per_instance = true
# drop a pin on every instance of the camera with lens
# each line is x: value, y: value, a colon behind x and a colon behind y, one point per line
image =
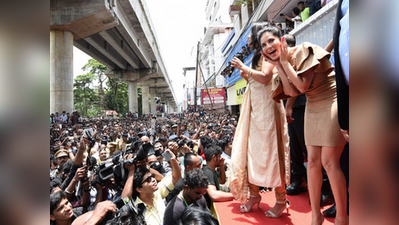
x: 126, y: 213
x: 115, y: 168
x: 89, y: 134
x: 182, y: 142
x: 158, y: 167
x: 239, y: 56
x: 90, y: 160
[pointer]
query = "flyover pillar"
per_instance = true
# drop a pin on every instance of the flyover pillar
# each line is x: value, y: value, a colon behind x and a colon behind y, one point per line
x: 153, y: 103
x: 145, y: 89
x: 133, y: 103
x: 61, y: 71
x: 168, y: 107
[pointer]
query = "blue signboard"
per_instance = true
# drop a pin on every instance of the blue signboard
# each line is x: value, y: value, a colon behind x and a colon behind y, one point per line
x: 242, y: 41
x: 236, y: 74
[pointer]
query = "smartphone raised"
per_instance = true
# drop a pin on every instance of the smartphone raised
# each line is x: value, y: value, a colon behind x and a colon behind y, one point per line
x: 167, y: 156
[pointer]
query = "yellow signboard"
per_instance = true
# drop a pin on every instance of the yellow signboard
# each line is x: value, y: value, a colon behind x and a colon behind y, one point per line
x: 240, y: 85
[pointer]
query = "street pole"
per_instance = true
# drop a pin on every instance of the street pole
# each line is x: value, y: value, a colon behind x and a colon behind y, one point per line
x: 196, y: 79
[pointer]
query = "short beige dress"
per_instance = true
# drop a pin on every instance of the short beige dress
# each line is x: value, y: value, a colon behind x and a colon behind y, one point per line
x: 321, y: 117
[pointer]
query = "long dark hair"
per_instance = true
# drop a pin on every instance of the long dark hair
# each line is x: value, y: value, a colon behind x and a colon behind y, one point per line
x: 274, y: 30
x: 255, y: 43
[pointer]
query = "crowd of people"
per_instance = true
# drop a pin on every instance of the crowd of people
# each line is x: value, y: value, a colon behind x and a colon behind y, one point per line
x: 100, y: 165
x: 172, y: 169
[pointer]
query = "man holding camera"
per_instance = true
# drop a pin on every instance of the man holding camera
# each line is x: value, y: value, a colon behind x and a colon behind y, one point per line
x: 142, y: 185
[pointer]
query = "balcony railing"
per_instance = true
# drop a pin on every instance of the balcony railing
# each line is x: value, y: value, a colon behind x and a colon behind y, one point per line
x: 318, y: 29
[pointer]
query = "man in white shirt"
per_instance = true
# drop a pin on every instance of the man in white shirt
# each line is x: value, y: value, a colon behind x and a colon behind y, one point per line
x: 142, y: 185
x: 64, y: 117
x: 296, y: 17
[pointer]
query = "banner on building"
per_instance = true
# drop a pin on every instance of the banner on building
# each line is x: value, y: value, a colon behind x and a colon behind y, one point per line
x: 241, y: 86
x: 242, y: 41
x: 215, y: 96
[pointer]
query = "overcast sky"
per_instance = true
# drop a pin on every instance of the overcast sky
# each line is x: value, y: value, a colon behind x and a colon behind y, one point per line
x: 179, y: 25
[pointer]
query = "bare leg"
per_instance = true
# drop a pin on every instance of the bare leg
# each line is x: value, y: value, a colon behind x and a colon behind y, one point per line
x: 315, y: 179
x: 330, y: 159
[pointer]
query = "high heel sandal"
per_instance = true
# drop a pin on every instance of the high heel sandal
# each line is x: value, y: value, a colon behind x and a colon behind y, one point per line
x: 245, y: 209
x: 271, y: 214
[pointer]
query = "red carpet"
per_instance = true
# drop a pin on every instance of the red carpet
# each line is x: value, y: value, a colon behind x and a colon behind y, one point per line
x: 299, y: 212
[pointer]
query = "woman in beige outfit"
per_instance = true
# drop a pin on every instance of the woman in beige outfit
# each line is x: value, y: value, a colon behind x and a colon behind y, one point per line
x: 260, y: 153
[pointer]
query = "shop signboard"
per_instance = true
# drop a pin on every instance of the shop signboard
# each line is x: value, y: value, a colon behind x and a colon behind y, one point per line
x: 216, y: 96
x: 241, y: 86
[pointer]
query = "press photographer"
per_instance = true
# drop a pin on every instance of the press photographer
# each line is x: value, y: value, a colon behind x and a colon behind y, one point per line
x: 142, y: 186
x: 117, y: 212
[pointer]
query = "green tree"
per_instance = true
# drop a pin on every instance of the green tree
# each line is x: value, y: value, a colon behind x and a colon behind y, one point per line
x: 83, y: 94
x: 98, y: 69
x: 112, y: 93
x: 116, y: 96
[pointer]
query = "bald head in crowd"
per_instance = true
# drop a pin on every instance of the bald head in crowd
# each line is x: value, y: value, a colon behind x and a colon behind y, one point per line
x: 145, y: 139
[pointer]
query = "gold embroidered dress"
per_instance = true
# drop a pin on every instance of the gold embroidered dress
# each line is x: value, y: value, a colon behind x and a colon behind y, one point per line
x: 260, y: 153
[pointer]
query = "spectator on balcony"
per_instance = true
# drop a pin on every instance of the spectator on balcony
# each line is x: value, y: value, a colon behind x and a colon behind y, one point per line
x: 296, y: 18
x: 304, y: 11
x: 289, y: 26
x: 324, y: 2
x: 314, y: 6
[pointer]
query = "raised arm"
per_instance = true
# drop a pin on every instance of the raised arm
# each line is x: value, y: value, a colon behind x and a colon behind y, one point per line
x: 176, y: 170
x: 79, y: 155
x: 264, y: 76
x: 128, y: 188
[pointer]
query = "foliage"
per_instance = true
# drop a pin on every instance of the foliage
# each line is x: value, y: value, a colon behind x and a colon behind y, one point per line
x: 84, y: 95
x: 117, y: 96
x: 111, y: 94
x: 98, y: 70
x: 244, y: 3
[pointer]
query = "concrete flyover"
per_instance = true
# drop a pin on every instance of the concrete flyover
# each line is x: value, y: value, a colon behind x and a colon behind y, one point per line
x: 117, y: 33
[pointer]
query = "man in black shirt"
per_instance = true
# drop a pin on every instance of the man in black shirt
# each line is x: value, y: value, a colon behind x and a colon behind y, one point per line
x: 213, y: 160
x: 195, y: 185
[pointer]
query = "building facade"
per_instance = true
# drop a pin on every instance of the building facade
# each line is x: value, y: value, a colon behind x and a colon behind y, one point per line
x: 226, y: 36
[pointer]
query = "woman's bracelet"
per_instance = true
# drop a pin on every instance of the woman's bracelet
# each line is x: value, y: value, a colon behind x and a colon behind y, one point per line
x: 249, y: 72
